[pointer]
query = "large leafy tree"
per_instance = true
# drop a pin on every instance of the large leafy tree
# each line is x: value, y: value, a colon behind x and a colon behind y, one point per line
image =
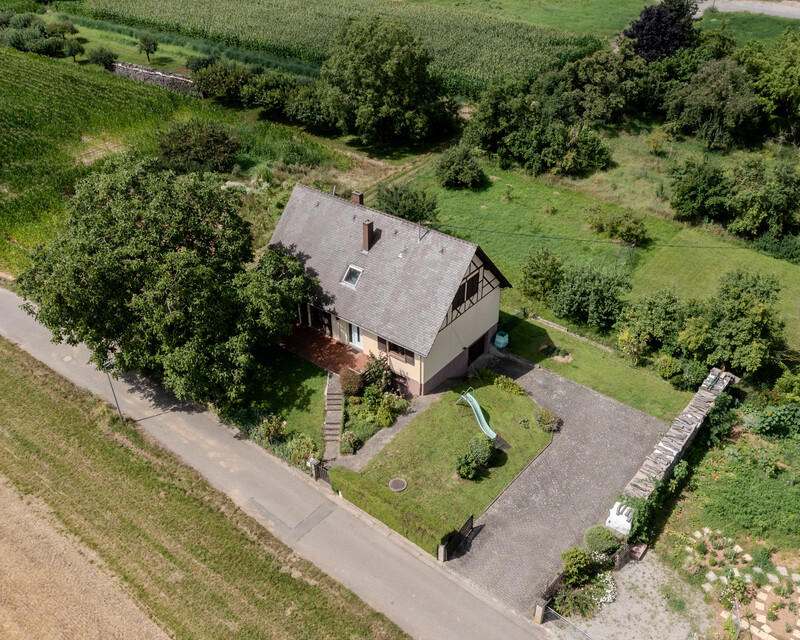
x: 590, y: 295
x: 404, y: 202
x: 718, y: 105
x: 739, y: 326
x: 776, y: 72
x: 657, y: 33
x: 152, y: 270
x: 376, y: 83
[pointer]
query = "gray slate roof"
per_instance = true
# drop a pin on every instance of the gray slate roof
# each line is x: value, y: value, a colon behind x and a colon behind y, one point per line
x: 407, y: 284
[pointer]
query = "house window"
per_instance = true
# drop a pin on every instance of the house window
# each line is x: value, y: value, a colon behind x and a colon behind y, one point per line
x: 459, y: 299
x: 352, y: 276
x: 472, y: 286
x: 396, y: 351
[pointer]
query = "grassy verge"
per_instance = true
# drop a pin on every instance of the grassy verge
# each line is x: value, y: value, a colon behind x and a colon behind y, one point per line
x: 747, y: 26
x: 437, y: 501
x: 196, y: 563
x: 605, y: 372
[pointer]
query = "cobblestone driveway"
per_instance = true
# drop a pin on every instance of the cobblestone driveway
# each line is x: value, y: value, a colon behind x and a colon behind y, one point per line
x: 516, y: 549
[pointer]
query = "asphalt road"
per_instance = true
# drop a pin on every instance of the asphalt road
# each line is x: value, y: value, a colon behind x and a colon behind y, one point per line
x: 385, y: 570
x: 785, y: 9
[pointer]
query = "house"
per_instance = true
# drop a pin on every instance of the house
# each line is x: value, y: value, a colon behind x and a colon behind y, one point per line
x: 429, y: 300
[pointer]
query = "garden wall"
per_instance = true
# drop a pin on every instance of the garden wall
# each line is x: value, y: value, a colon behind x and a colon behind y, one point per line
x: 172, y: 81
x: 668, y: 452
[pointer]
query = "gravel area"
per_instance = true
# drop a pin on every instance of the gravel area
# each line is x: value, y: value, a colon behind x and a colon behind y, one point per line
x: 52, y: 586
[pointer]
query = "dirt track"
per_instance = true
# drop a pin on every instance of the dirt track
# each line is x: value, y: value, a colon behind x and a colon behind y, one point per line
x: 51, y: 586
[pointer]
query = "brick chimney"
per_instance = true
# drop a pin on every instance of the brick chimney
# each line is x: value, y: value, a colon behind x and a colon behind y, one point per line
x: 368, y: 236
x: 358, y: 197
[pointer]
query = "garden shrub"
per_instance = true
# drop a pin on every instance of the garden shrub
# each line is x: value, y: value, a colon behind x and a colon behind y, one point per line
x: 542, y: 272
x: 198, y: 145
x: 576, y: 567
x: 352, y: 382
x: 692, y: 375
x: 466, y: 467
x: 547, y: 420
x: 600, y: 540
x: 572, y: 602
x: 383, y: 416
x: 667, y: 366
x: 349, y: 442
x: 195, y: 63
x: 377, y: 371
x: 781, y: 421
x: 457, y: 168
x: 223, y: 78
x: 762, y: 558
x: 625, y: 225
x: 102, y: 56
x: 269, y: 429
x: 481, y: 449
x: 407, y: 203
x: 721, y: 418
x: 270, y: 91
x: 354, y: 399
x: 591, y: 296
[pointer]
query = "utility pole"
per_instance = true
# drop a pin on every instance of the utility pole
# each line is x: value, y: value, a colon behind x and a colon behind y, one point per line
x: 106, y: 365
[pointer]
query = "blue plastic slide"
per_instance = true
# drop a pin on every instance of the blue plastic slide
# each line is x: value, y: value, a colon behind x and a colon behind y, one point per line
x: 476, y: 409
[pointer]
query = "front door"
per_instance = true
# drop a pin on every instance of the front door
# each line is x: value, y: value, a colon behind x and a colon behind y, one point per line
x: 476, y: 348
x: 355, y: 336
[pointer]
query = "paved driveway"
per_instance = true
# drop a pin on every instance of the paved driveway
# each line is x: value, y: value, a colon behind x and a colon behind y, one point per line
x: 516, y: 549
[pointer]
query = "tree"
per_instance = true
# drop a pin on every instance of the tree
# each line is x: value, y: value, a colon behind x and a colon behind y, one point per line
x: 458, y: 168
x: 147, y: 44
x: 376, y: 82
x: 658, y: 32
x: 407, y: 203
x: 270, y: 91
x: 102, y: 56
x: 151, y: 269
x: 61, y: 29
x: 73, y: 48
x: 654, y: 321
x: 198, y: 145
x: 718, y: 105
x: 684, y: 12
x: 542, y: 273
x: 775, y: 71
x: 739, y: 326
x: 591, y: 296
x: 223, y: 79
x: 699, y: 190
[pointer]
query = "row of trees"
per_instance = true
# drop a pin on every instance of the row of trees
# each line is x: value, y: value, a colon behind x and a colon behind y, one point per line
x: 738, y: 326
x: 375, y: 84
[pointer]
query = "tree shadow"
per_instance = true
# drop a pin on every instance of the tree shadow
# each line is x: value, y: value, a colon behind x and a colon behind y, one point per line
x: 152, y: 390
x: 161, y: 60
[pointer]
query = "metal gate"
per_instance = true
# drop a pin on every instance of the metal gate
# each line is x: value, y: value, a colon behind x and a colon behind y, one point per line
x: 571, y: 632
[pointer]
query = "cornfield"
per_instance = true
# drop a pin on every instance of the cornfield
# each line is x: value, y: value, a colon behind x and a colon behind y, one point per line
x: 469, y: 49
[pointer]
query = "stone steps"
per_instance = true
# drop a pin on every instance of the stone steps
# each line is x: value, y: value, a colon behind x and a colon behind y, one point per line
x: 334, y: 408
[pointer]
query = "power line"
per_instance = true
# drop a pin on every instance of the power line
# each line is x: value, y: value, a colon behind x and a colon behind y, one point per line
x: 572, y: 239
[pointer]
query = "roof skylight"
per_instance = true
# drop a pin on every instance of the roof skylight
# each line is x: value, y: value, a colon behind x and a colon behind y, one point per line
x: 352, y: 276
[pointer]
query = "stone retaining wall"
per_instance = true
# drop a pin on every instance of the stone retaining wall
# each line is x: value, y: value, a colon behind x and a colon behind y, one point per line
x: 668, y: 452
x: 172, y: 81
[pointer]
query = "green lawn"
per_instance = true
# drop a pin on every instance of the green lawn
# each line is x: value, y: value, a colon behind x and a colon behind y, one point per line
x: 187, y: 555
x: 424, y: 454
x: 600, y: 18
x: 695, y: 272
x: 605, y: 372
x: 746, y: 26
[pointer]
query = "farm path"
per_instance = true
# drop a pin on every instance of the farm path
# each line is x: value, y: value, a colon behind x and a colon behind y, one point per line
x: 387, y: 572
x: 516, y: 551
x: 784, y: 9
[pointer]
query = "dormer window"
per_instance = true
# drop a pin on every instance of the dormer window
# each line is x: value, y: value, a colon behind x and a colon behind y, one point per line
x: 352, y: 276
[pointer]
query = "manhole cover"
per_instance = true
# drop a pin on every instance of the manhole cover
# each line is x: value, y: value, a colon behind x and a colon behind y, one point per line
x: 397, y: 484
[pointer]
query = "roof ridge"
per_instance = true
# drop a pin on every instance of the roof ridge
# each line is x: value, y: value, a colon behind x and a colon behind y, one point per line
x: 388, y: 215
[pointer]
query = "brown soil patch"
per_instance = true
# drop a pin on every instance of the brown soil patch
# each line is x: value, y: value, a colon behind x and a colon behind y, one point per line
x: 6, y: 276
x: 53, y: 586
x: 96, y: 148
x: 562, y: 358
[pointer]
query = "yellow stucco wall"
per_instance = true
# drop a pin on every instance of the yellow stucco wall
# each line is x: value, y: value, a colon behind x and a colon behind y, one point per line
x: 461, y: 333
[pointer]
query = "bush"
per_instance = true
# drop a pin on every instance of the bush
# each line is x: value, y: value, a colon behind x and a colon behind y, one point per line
x: 222, y: 79
x: 352, y: 382
x: 466, y: 467
x: 25, y: 21
x: 457, y: 168
x: 667, y: 366
x: 268, y: 430
x: 626, y: 225
x: 591, y: 296
x: 349, y: 442
x: 102, y: 57
x: 270, y: 91
x: 542, y: 273
x: 547, y: 420
x: 195, y: 63
x: 572, y: 602
x: 786, y: 247
x: 576, y: 567
x: 778, y: 422
x: 721, y: 418
x: 481, y: 449
x: 600, y: 540
x: 377, y: 372
x: 384, y: 417
x: 693, y: 373
x: 407, y: 203
x: 51, y: 47
x: 198, y: 145
x: 354, y: 399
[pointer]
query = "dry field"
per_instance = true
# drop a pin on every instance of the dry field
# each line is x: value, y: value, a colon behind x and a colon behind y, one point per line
x: 53, y: 586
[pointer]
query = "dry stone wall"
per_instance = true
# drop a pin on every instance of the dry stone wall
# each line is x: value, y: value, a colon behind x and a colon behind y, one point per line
x: 172, y: 81
x: 671, y: 448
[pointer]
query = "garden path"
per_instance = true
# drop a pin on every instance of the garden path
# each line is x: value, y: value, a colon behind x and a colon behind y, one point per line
x: 516, y: 550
